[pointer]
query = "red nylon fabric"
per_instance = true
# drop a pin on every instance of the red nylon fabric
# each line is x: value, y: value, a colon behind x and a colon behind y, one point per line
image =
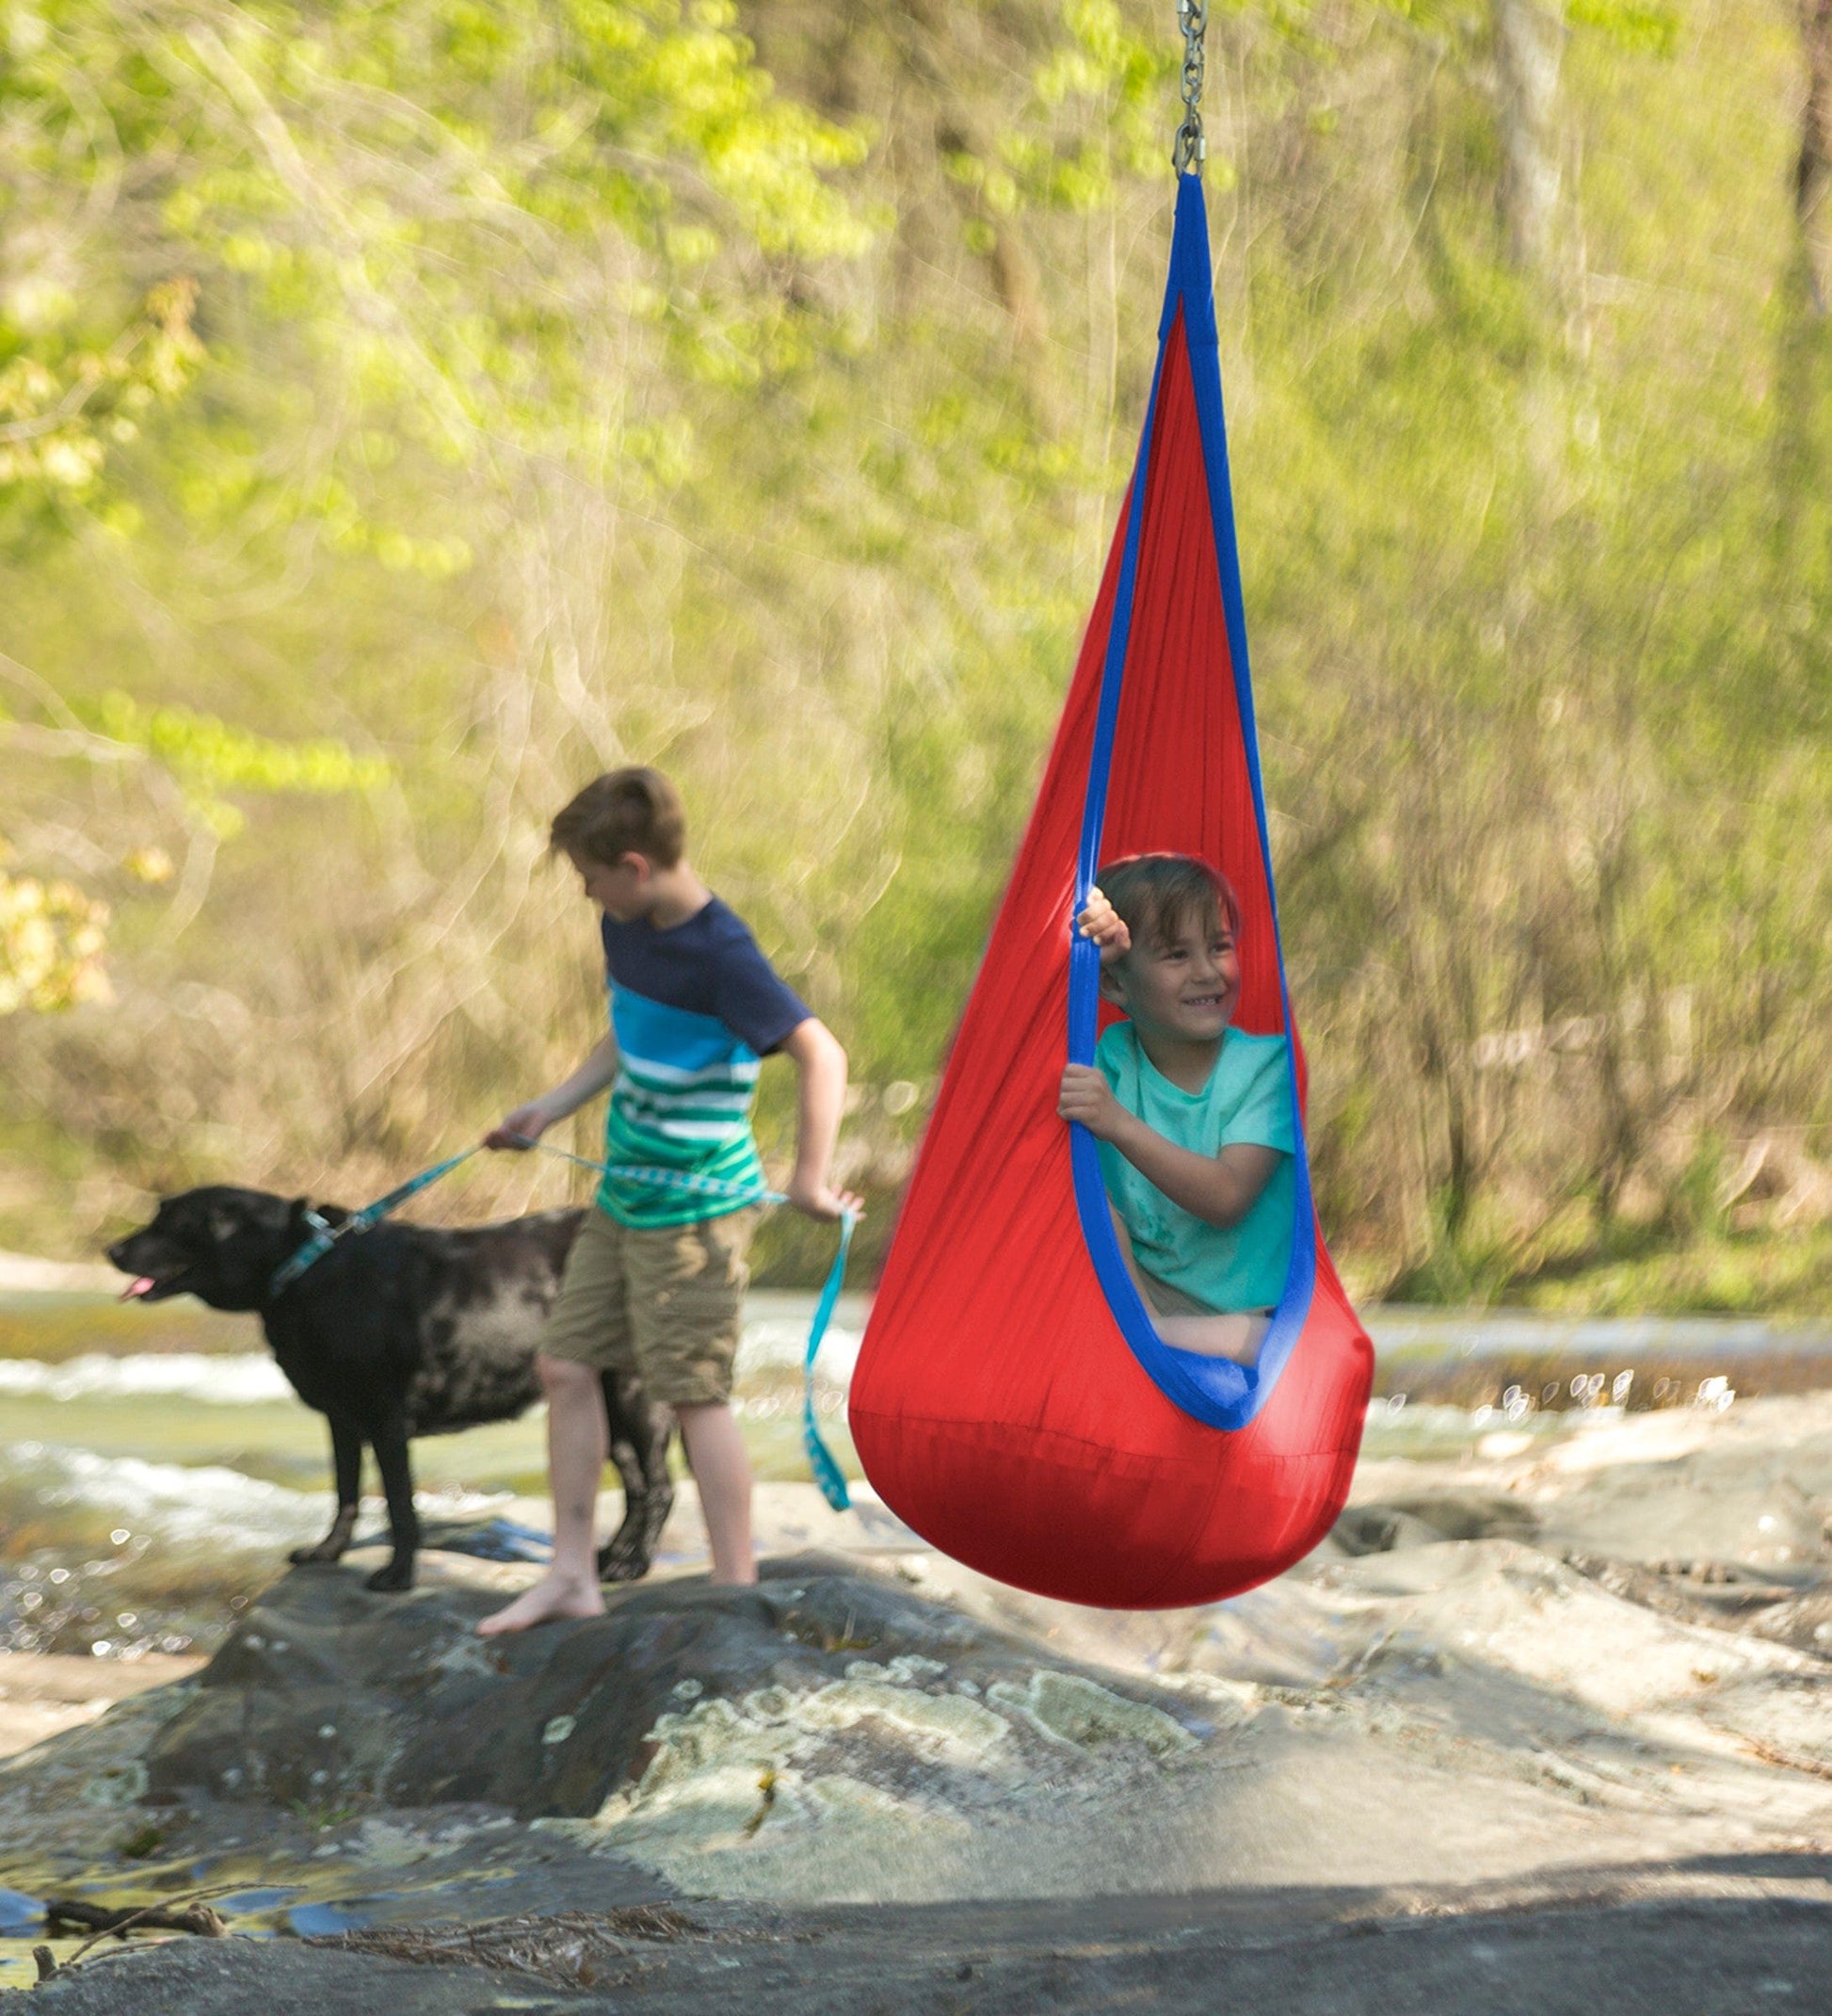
x: 997, y: 1407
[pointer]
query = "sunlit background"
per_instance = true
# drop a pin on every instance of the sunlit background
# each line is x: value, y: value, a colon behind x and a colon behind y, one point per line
x: 407, y: 410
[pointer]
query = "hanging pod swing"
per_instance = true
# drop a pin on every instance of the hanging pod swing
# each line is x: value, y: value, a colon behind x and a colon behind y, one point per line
x: 1013, y: 1402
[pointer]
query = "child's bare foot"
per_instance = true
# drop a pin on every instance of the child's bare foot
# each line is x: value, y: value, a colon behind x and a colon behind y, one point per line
x: 552, y: 1600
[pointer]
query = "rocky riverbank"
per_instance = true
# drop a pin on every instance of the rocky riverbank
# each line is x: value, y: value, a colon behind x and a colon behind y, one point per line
x: 1550, y: 1720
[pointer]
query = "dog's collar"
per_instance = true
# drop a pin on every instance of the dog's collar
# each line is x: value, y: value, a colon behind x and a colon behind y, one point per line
x: 324, y: 1237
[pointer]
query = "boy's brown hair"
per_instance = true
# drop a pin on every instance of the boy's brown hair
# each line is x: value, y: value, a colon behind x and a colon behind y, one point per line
x: 635, y: 810
x: 1158, y: 895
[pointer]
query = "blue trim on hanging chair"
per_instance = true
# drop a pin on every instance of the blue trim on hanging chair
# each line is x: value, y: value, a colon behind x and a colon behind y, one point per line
x: 1212, y: 1389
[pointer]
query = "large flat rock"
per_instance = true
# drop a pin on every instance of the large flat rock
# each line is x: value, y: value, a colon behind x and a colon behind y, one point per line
x: 326, y: 1694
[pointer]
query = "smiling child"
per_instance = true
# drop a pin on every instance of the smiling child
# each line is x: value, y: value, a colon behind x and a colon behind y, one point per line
x: 1192, y: 1117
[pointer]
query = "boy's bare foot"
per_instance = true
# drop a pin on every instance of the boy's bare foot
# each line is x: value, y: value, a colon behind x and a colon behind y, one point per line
x: 552, y: 1600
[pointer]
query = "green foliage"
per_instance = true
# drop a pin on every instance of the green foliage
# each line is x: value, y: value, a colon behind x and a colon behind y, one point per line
x: 1641, y: 24
x: 63, y: 405
x: 1104, y: 81
x: 207, y: 758
x: 1749, y: 1273
x: 577, y: 384
x: 1645, y: 26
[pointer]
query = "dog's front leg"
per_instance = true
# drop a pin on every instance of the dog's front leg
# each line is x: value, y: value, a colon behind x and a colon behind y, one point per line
x: 641, y: 1432
x: 388, y: 1437
x: 346, y: 1461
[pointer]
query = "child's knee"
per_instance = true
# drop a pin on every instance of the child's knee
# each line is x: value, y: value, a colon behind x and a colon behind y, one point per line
x: 566, y: 1377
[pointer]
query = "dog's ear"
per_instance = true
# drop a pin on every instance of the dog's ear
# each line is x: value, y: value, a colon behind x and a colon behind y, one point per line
x: 296, y: 1218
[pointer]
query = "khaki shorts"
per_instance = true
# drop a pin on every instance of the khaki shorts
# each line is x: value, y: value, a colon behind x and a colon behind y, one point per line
x: 664, y: 1303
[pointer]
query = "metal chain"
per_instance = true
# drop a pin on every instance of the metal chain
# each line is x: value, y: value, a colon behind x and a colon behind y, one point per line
x: 1190, y: 150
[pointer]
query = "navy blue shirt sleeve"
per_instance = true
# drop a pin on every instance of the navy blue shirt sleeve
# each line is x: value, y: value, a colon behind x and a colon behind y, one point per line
x: 753, y: 1001
x: 710, y: 965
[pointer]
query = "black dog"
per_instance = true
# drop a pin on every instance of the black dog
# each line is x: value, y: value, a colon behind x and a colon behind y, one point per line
x: 397, y: 1332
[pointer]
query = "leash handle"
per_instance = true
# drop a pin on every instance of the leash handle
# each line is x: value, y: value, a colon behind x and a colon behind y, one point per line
x: 827, y: 1472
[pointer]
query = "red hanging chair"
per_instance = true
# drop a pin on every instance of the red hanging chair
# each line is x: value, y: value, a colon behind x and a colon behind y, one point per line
x: 1012, y: 1401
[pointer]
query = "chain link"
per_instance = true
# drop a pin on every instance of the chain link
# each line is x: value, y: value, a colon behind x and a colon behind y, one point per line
x: 1190, y: 150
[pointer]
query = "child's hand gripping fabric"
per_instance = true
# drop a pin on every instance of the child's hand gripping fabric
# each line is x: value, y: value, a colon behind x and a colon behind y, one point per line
x: 1084, y: 1094
x: 1105, y: 925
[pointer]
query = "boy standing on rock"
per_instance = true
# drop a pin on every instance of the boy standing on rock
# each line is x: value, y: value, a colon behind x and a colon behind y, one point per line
x: 655, y: 1279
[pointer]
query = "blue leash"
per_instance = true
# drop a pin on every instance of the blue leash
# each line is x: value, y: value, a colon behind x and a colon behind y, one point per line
x: 827, y: 1472
x: 325, y: 1235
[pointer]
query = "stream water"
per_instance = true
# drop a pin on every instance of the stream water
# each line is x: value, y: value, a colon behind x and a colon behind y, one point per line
x: 145, y: 1496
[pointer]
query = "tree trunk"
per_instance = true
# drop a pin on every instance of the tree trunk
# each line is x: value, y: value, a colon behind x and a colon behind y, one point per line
x: 1528, y: 49
x: 1812, y: 181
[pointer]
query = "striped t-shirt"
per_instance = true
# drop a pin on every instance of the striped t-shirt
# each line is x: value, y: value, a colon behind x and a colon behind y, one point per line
x: 694, y: 1009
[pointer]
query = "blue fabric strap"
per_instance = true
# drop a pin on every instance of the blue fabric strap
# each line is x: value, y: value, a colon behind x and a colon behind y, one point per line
x: 374, y: 1214
x: 827, y: 1472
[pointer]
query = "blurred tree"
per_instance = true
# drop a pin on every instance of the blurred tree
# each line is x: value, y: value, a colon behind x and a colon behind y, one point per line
x: 1813, y: 171
x: 1529, y: 51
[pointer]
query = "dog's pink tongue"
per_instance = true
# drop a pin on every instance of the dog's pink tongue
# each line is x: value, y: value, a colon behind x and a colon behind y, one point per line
x: 136, y: 1288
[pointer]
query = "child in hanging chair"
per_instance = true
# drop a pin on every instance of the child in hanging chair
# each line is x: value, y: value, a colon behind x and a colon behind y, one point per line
x: 1192, y: 1117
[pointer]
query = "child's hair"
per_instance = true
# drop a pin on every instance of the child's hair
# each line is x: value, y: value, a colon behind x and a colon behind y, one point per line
x: 1160, y: 895
x: 636, y: 810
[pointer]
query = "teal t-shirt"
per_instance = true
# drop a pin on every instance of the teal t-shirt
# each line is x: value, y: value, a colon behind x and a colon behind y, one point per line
x: 1247, y: 1099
